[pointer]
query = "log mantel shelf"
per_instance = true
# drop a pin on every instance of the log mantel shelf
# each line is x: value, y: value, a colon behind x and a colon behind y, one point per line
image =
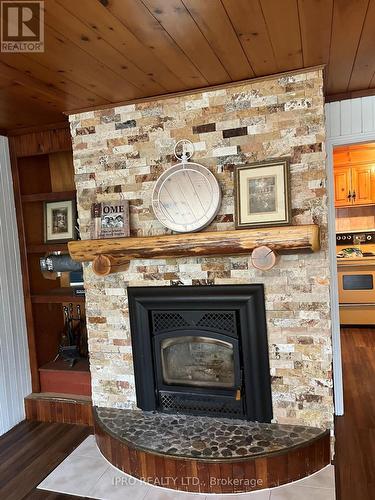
x: 114, y: 255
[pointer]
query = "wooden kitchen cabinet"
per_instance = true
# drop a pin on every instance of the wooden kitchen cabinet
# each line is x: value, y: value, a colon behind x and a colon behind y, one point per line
x: 342, y: 186
x: 363, y: 180
x: 354, y: 185
x: 354, y: 175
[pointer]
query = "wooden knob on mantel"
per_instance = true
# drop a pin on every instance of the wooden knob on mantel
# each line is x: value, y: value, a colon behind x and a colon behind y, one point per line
x: 103, y: 265
x: 263, y: 258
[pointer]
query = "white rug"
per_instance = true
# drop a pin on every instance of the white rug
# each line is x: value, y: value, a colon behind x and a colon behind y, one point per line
x: 86, y: 473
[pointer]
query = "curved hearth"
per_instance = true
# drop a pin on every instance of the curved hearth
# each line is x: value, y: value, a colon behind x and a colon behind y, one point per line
x: 206, y: 454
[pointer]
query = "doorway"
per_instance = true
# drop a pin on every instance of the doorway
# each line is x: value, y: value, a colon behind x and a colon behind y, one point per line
x: 354, y: 189
x: 352, y: 207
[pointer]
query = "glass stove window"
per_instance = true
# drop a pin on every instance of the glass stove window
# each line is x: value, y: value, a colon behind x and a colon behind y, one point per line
x: 198, y: 361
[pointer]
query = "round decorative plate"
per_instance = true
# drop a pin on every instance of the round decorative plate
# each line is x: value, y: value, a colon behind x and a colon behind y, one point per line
x: 186, y: 197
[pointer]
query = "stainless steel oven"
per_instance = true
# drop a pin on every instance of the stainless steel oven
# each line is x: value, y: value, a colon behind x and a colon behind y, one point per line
x: 357, y: 292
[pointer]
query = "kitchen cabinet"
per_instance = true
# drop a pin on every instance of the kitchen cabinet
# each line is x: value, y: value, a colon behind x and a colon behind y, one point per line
x: 342, y: 186
x: 354, y: 185
x: 363, y: 180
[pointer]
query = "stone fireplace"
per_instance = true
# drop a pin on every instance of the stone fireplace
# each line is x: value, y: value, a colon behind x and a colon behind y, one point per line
x: 120, y: 152
x: 201, y: 350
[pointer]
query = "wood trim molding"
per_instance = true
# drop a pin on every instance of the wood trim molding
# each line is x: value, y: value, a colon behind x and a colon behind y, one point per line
x: 283, y: 239
x: 354, y: 94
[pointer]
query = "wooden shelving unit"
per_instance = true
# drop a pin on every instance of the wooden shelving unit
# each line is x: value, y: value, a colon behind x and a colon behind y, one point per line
x: 47, y: 248
x: 42, y: 168
x: 61, y: 195
x: 57, y: 296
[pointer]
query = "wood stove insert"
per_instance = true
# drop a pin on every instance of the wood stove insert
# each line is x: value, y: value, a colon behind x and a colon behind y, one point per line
x: 201, y: 350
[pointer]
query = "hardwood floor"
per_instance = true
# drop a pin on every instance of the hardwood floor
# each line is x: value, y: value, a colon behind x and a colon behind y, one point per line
x: 50, y: 495
x: 29, y: 452
x: 355, y: 431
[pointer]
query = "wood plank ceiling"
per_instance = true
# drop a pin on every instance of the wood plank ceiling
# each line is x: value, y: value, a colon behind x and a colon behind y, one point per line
x: 106, y: 51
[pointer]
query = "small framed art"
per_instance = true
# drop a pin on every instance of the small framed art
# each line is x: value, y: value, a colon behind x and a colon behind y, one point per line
x: 262, y: 194
x: 59, y: 221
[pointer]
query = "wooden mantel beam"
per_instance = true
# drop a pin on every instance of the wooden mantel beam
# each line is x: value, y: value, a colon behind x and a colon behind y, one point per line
x: 283, y: 239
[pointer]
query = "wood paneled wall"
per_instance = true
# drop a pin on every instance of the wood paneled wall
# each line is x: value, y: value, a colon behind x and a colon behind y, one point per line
x: 50, y: 140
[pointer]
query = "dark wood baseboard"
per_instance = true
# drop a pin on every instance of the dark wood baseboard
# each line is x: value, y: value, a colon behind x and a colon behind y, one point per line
x: 59, y: 408
x: 215, y: 476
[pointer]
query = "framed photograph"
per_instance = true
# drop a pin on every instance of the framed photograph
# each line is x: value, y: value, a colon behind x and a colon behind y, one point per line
x: 262, y: 194
x: 59, y: 221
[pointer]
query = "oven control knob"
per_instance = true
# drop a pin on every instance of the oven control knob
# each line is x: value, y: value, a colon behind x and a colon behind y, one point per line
x: 369, y: 237
x: 344, y: 237
x: 338, y: 238
x: 349, y: 237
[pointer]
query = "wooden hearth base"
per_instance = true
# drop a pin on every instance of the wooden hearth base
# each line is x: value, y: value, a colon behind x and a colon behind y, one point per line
x: 60, y: 408
x: 209, y: 475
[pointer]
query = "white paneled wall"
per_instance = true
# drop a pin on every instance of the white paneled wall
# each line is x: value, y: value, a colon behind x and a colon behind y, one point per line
x: 350, y: 117
x: 15, y: 381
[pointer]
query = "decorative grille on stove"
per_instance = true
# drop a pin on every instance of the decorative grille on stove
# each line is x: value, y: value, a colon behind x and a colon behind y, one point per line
x: 168, y: 321
x: 193, y: 404
x: 220, y: 321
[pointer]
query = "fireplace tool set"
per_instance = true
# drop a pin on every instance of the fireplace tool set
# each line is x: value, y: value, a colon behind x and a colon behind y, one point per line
x: 73, y: 339
x: 73, y: 343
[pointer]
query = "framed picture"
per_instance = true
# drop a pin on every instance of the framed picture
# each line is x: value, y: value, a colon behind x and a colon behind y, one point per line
x: 262, y: 194
x: 59, y: 221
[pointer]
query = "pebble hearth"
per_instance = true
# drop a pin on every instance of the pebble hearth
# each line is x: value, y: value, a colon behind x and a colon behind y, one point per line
x: 206, y: 437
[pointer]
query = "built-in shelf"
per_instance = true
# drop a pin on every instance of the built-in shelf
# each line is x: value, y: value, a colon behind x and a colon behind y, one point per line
x: 59, y: 377
x: 61, y: 195
x: 81, y: 365
x: 57, y: 296
x: 47, y: 247
x: 113, y: 255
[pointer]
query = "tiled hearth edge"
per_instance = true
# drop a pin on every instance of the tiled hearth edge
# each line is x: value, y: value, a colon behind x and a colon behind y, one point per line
x: 120, y: 152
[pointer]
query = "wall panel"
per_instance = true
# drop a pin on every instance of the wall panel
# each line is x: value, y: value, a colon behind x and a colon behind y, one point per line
x: 15, y: 381
x: 349, y: 117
